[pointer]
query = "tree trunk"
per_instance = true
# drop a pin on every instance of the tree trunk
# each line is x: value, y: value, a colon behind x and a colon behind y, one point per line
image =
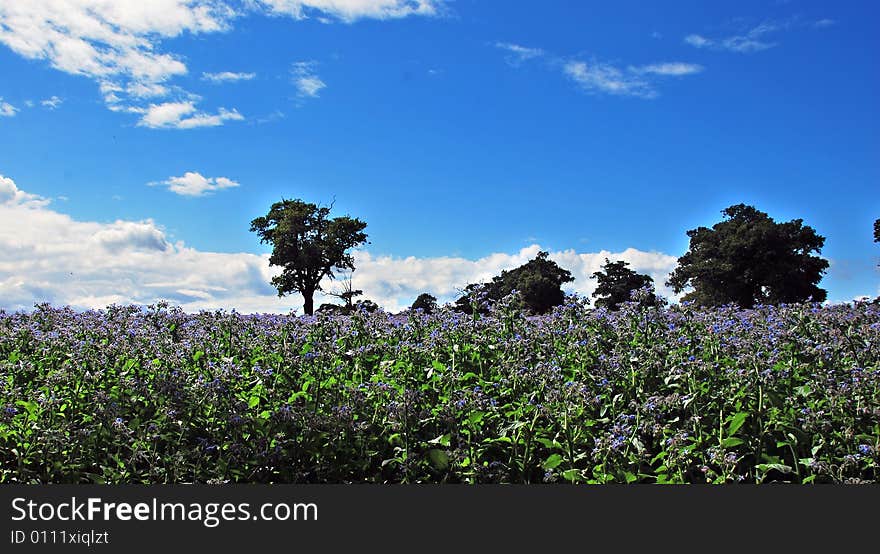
x: 309, y: 302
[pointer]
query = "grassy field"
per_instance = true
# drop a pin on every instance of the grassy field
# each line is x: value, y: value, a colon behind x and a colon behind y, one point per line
x: 644, y: 395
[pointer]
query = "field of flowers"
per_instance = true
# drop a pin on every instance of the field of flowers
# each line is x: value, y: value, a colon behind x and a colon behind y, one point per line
x: 644, y: 395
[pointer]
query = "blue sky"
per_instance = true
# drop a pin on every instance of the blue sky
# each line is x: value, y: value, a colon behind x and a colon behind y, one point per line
x: 467, y: 134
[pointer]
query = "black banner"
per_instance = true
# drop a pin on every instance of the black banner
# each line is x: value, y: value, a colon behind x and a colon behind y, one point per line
x: 455, y: 517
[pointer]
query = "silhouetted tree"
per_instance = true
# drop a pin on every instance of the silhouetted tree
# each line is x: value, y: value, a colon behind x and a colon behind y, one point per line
x: 616, y: 284
x: 877, y: 230
x: 308, y: 245
x: 748, y: 258
x: 426, y: 302
x: 348, y: 293
x: 539, y: 283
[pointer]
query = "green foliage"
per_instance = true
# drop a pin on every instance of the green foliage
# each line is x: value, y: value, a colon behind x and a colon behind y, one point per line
x: 308, y: 245
x: 617, y: 283
x: 749, y: 259
x: 538, y: 284
x: 675, y: 394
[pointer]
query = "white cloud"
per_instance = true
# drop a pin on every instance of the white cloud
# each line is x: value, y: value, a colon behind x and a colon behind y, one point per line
x: 227, y: 77
x: 11, y: 195
x: 352, y: 10
x: 52, y: 102
x: 307, y: 84
x: 146, y: 90
x: 670, y: 68
x: 183, y: 115
x: 824, y: 23
x: 119, y: 43
x: 7, y: 109
x: 606, y: 78
x: 751, y: 41
x: 47, y: 256
x: 517, y: 53
x: 194, y: 184
x: 100, y: 38
x: 698, y: 40
x: 116, y: 43
x: 598, y: 77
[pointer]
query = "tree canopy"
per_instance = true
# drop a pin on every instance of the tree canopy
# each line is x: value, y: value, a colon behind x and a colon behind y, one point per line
x: 308, y: 244
x: 426, y: 302
x: 616, y: 284
x: 538, y: 282
x: 877, y: 230
x: 750, y: 259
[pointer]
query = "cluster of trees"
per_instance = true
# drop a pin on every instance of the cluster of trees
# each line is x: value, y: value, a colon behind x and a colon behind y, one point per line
x: 745, y: 259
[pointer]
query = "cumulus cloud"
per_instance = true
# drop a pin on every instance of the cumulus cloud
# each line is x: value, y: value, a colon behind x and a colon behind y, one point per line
x: 47, y: 256
x: 396, y: 281
x: 194, y: 184
x: 307, y: 84
x: 227, y: 77
x: 183, y: 115
x: 11, y: 195
x: 119, y: 43
x: 7, y: 109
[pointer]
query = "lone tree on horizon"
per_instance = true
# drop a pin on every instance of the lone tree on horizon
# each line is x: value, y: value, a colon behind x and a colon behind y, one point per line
x: 539, y: 282
x: 426, y: 302
x: 308, y: 245
x: 616, y: 283
x: 750, y: 259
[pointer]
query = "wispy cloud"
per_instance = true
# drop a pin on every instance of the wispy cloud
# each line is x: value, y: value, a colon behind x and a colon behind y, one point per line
x: 605, y: 78
x: 307, y: 83
x: 195, y: 184
x: 227, y: 77
x: 52, y: 102
x: 7, y: 109
x: 672, y: 68
x: 518, y: 54
x: 353, y: 10
x: 601, y: 77
x: 754, y: 39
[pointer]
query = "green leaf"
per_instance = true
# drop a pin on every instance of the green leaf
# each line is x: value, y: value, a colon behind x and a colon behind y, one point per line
x: 736, y: 422
x: 442, y: 440
x: 476, y: 417
x: 553, y: 461
x: 778, y: 467
x: 253, y: 401
x: 439, y: 459
x: 730, y: 442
